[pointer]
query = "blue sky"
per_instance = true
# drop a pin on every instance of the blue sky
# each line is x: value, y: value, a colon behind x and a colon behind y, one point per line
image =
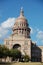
x: 33, y: 11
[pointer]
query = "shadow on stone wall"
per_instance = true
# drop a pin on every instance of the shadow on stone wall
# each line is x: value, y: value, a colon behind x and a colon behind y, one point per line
x: 35, y: 53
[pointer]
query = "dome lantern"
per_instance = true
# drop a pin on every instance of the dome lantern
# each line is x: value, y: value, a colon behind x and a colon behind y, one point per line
x: 21, y: 12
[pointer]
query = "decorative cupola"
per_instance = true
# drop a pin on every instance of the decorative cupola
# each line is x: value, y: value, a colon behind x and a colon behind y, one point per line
x: 21, y: 12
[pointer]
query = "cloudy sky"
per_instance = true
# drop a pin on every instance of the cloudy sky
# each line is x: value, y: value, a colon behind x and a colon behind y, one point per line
x: 33, y: 11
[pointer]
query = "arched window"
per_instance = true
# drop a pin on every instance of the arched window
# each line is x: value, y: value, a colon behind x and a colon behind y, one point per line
x: 16, y: 46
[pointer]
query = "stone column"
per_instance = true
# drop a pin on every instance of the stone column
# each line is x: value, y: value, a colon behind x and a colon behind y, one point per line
x: 29, y: 49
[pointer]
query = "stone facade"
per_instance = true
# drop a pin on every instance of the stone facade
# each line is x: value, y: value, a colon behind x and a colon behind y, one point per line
x: 41, y: 47
x: 21, y: 40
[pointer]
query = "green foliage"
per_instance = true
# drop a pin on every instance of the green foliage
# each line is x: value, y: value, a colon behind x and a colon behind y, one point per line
x: 25, y: 58
x: 15, y: 53
x: 3, y: 51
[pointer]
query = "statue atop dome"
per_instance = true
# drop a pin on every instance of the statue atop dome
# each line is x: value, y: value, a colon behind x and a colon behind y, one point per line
x: 21, y: 12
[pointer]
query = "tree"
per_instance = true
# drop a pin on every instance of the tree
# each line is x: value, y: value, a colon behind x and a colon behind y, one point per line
x: 25, y: 58
x: 15, y: 53
x: 3, y: 51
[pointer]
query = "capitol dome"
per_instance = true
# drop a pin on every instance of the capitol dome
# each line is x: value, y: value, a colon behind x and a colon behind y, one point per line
x: 21, y: 26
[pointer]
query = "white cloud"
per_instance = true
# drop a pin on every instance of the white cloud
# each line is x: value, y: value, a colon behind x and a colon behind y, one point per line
x: 5, y: 27
x: 0, y: 35
x: 3, y: 32
x: 37, y: 34
x: 31, y: 30
x: 40, y: 35
x: 8, y: 23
